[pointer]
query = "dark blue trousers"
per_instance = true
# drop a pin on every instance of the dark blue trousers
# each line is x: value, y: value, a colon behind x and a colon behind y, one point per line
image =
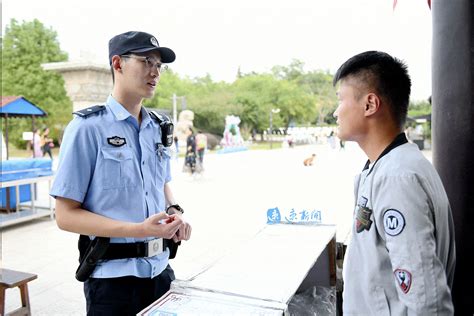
x: 126, y: 295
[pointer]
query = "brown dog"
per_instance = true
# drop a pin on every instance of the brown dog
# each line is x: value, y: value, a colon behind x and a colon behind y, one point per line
x: 309, y: 161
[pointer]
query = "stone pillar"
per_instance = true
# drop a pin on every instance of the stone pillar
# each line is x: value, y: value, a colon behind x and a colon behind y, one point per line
x: 453, y: 131
x: 86, y: 83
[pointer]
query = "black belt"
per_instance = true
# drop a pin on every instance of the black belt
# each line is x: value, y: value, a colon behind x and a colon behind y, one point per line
x: 134, y: 250
x: 91, y: 251
x: 131, y: 250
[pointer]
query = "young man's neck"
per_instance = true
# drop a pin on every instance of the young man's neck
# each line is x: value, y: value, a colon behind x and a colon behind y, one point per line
x: 131, y: 103
x: 375, y: 143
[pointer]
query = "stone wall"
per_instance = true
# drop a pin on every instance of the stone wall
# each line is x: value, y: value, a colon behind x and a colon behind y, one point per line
x: 86, y: 83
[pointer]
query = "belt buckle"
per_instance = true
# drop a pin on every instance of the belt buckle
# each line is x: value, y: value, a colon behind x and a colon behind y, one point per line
x: 154, y: 247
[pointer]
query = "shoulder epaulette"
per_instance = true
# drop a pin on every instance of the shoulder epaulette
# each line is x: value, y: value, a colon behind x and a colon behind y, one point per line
x: 90, y: 110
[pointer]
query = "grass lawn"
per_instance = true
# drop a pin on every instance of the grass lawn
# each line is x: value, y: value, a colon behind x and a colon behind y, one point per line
x: 23, y: 153
x: 265, y: 145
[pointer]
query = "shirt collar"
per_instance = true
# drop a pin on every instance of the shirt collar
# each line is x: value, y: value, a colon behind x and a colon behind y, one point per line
x: 146, y: 118
x: 117, y: 109
x: 122, y: 114
x: 399, y: 140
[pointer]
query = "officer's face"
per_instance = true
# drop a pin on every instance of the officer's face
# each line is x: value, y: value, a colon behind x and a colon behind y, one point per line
x: 141, y: 73
x: 350, y: 111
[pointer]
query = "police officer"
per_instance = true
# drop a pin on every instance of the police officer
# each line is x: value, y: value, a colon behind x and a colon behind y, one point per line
x: 113, y: 181
x: 400, y: 259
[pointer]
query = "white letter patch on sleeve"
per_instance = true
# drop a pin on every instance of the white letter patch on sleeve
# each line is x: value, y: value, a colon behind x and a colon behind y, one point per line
x: 393, y: 222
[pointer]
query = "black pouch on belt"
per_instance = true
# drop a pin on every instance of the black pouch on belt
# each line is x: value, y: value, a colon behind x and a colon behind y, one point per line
x: 90, y: 251
x: 173, y: 247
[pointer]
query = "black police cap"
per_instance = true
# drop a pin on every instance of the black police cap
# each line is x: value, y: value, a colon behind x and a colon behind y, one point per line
x: 138, y: 42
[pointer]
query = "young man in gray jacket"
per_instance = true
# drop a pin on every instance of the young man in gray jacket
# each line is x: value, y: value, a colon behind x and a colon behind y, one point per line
x: 401, y: 256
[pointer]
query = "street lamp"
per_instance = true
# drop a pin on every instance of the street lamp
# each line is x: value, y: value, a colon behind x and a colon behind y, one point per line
x: 183, y: 106
x: 277, y: 110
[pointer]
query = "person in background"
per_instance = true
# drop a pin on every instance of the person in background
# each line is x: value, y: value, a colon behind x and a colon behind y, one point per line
x: 36, y: 144
x: 113, y: 184
x: 176, y: 146
x: 46, y: 143
x: 201, y: 146
x: 190, y: 158
x: 401, y: 256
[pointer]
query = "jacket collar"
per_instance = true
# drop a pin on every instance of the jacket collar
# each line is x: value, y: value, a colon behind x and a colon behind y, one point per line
x: 399, y: 140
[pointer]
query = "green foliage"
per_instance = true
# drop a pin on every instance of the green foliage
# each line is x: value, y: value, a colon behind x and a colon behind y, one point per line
x: 302, y: 97
x: 258, y: 94
x: 319, y: 85
x: 25, y: 47
x: 419, y: 108
x: 316, y: 84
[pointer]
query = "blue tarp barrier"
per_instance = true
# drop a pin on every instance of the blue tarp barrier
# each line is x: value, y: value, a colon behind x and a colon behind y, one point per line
x: 234, y: 149
x: 17, y: 169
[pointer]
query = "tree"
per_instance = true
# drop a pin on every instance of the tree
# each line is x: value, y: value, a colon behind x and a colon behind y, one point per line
x: 212, y: 102
x: 317, y: 84
x: 417, y: 108
x: 25, y: 47
x: 257, y: 95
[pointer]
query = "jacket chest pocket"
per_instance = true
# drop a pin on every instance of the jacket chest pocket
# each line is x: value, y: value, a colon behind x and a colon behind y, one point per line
x: 118, y: 168
x: 161, y: 170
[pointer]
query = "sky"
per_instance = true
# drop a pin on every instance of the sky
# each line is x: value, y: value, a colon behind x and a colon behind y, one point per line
x: 217, y: 37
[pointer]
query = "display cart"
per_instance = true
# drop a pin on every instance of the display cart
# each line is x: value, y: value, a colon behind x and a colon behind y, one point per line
x: 258, y: 278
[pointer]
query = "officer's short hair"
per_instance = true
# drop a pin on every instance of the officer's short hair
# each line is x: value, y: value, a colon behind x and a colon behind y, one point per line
x: 388, y: 75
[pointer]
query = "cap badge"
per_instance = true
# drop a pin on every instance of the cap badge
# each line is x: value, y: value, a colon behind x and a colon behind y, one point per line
x: 154, y: 42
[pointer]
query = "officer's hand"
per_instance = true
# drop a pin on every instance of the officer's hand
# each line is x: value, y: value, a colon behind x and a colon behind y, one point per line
x: 162, y: 225
x: 184, y: 231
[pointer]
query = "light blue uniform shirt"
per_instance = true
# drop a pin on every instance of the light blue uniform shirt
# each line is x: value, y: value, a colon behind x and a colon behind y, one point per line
x: 122, y: 181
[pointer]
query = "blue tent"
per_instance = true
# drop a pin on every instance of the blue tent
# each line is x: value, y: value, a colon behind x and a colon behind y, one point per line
x: 17, y: 106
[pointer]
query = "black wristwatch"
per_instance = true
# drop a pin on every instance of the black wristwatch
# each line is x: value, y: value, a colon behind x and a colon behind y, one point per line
x: 176, y: 207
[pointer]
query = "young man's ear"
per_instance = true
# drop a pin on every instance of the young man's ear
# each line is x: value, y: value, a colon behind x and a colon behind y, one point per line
x: 117, y: 63
x: 372, y: 105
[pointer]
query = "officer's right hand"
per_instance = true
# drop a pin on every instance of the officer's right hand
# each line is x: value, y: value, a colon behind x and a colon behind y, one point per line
x: 162, y: 225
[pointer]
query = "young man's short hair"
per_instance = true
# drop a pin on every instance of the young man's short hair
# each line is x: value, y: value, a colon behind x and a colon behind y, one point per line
x: 386, y: 74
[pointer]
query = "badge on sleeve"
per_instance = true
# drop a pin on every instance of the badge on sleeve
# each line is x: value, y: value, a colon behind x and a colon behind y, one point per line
x: 393, y: 222
x: 116, y: 141
x: 403, y: 278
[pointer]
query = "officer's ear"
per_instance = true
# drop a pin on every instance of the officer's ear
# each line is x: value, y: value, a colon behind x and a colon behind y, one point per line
x: 372, y: 105
x: 117, y: 63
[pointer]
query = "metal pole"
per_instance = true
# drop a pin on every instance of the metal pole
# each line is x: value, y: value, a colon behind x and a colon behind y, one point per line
x: 33, y: 139
x: 453, y: 131
x: 6, y: 135
x: 270, y: 137
x: 175, y: 114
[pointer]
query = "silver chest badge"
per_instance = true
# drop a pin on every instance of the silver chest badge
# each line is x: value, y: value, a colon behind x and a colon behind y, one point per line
x: 116, y: 141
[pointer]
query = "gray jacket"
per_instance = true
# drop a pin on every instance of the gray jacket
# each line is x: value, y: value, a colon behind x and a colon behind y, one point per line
x: 401, y: 256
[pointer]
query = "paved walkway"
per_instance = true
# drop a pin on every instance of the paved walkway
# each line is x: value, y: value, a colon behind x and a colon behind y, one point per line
x: 226, y: 205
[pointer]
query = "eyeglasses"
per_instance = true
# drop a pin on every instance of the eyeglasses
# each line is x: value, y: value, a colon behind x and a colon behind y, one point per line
x: 149, y: 62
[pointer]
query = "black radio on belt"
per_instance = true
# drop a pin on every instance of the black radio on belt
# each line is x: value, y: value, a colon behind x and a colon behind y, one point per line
x: 166, y: 126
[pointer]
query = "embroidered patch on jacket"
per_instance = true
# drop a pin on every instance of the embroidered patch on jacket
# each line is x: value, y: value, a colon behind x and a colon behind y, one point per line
x: 403, y: 278
x: 363, y: 219
x: 393, y: 222
x: 362, y: 201
x: 116, y: 141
